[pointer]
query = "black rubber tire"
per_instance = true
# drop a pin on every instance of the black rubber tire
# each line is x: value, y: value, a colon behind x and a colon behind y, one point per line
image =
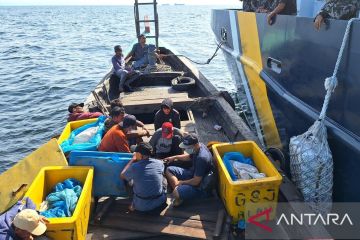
x: 226, y: 95
x: 182, y: 83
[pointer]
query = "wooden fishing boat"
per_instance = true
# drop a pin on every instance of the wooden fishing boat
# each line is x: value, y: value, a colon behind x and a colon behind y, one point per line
x: 203, y: 109
x: 202, y: 219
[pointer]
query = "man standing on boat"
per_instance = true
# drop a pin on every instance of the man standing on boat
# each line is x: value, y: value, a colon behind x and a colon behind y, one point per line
x: 337, y: 9
x: 148, y: 185
x: 190, y: 183
x: 118, y: 63
x: 275, y: 7
x: 142, y: 54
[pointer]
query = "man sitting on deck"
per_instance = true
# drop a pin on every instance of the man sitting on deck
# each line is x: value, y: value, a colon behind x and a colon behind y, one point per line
x: 167, y: 114
x: 77, y: 112
x: 115, y: 139
x: 117, y: 115
x: 187, y: 182
x: 166, y: 141
x: 148, y: 185
x: 142, y: 54
x: 21, y: 221
x: 120, y: 70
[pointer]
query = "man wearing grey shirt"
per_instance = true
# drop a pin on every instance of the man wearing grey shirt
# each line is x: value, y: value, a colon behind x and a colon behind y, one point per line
x: 166, y: 140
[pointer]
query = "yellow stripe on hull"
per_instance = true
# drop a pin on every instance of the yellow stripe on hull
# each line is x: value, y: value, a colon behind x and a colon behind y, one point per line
x: 251, y: 60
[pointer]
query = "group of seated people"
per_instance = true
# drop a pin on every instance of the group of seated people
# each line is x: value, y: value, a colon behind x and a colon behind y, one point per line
x: 336, y: 9
x: 187, y: 161
x: 142, y: 55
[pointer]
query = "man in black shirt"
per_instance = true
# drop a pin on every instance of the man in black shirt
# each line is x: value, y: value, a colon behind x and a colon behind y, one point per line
x: 167, y: 114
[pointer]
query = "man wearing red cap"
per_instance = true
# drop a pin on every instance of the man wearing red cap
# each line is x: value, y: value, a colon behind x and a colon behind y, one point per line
x: 166, y: 141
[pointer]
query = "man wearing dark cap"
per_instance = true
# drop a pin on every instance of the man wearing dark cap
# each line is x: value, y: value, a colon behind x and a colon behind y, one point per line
x: 115, y: 139
x: 133, y: 134
x: 187, y: 182
x: 76, y: 112
x: 167, y: 114
x: 166, y: 141
x: 117, y: 115
x: 148, y: 185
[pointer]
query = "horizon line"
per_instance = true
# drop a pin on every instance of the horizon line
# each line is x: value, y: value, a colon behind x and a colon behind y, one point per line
x: 104, y: 5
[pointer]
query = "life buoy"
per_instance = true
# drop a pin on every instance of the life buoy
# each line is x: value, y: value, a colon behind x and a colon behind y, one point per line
x: 182, y: 83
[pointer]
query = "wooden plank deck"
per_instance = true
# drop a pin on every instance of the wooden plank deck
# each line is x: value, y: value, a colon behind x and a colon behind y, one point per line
x: 150, y: 98
x: 196, y: 219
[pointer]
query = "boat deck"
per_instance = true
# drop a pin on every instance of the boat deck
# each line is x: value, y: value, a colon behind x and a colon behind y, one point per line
x: 197, y: 219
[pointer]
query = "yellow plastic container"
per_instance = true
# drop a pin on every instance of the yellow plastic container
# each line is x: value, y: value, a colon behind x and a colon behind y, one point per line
x: 70, y: 126
x: 74, y: 227
x: 245, y: 198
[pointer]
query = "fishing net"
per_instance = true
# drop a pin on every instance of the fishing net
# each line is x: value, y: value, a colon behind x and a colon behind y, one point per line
x: 311, y: 162
x: 311, y: 166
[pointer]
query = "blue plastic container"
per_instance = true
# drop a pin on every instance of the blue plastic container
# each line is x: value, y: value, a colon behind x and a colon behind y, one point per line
x: 107, y: 169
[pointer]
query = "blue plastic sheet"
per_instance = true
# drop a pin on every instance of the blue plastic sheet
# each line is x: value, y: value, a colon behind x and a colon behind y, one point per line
x: 92, y: 144
x: 62, y: 201
x: 235, y: 156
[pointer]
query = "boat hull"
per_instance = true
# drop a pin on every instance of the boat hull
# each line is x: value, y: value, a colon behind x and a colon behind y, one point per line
x: 280, y: 70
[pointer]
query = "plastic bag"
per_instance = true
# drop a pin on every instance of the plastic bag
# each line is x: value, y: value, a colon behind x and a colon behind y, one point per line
x: 85, y: 135
x: 245, y: 171
x: 92, y: 144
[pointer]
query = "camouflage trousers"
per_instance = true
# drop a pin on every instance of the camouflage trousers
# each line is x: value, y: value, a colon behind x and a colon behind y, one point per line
x: 341, y: 9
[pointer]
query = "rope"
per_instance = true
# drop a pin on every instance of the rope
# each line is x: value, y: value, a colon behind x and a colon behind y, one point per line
x: 199, y: 63
x: 331, y: 82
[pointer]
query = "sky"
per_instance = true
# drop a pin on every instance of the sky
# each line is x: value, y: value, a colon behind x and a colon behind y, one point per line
x: 113, y: 2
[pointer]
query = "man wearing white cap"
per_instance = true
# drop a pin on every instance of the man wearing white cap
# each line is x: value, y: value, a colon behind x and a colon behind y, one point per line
x: 22, y: 222
x: 28, y: 224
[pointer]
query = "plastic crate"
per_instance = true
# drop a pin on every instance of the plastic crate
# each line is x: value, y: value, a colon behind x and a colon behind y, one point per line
x: 74, y: 227
x: 245, y: 198
x: 107, y: 169
x: 70, y: 126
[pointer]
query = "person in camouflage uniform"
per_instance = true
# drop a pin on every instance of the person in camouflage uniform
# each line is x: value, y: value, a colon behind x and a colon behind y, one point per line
x: 252, y: 5
x: 275, y: 7
x: 337, y: 9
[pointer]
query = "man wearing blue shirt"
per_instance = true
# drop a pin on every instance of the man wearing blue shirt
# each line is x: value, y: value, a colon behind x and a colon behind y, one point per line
x: 142, y: 53
x: 118, y: 63
x: 148, y: 185
x: 187, y: 183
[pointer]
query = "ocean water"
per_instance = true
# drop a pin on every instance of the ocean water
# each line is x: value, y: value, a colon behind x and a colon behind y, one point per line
x: 52, y: 56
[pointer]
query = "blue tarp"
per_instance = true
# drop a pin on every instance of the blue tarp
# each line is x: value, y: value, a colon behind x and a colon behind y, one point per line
x: 62, y: 201
x: 92, y: 144
x: 107, y: 169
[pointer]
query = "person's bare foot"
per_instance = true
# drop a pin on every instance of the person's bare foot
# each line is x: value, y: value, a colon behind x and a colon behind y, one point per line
x: 131, y: 208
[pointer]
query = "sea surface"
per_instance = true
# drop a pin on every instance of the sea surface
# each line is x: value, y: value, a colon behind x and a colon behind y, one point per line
x: 52, y: 56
